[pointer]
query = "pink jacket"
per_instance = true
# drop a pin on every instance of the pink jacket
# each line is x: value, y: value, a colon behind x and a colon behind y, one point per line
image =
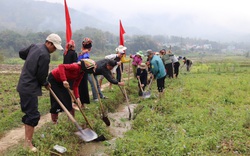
x: 136, y: 60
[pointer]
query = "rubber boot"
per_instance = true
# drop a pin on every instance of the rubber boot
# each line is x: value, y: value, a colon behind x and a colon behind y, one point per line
x: 54, y: 118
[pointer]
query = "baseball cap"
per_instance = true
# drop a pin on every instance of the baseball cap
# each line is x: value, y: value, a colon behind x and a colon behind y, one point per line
x: 56, y: 40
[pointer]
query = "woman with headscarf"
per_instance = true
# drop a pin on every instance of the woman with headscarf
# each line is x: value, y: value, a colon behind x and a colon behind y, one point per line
x: 70, y: 55
x: 83, y: 87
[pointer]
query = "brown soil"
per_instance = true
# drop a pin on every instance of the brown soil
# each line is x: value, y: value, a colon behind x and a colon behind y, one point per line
x: 8, y: 68
x: 14, y: 136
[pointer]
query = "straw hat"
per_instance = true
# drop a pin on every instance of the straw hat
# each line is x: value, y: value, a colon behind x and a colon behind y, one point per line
x: 142, y: 66
x: 140, y: 53
x: 120, y: 49
x: 157, y: 53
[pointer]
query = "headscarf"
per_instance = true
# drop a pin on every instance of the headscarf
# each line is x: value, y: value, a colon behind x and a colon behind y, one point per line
x: 70, y: 43
x: 88, y: 65
x: 86, y: 43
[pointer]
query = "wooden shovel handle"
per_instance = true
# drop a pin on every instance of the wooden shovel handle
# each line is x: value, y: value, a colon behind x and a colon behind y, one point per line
x: 126, y: 96
x: 149, y: 86
x: 85, y: 117
x: 140, y: 84
x: 63, y: 107
x: 98, y: 95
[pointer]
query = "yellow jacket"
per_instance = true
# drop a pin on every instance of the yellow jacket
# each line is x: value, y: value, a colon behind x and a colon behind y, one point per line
x: 124, y: 60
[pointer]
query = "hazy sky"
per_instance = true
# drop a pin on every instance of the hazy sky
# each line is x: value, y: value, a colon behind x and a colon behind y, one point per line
x: 234, y: 15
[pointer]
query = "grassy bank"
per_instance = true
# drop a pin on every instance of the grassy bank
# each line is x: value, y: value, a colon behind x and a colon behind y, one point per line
x: 204, y: 112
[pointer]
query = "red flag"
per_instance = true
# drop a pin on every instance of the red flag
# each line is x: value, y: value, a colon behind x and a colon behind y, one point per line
x: 68, y: 22
x: 122, y: 31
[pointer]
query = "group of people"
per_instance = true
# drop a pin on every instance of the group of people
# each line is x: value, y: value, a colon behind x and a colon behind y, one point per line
x: 74, y: 74
x: 159, y: 65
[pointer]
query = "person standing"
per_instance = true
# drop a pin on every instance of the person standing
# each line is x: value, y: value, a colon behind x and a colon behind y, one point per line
x: 83, y: 87
x: 165, y: 56
x: 137, y: 60
x: 176, y: 64
x: 70, y: 55
x: 120, y: 49
x: 158, y: 70
x: 33, y: 77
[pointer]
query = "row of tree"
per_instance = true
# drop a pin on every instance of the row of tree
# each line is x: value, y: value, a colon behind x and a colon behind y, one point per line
x: 103, y: 42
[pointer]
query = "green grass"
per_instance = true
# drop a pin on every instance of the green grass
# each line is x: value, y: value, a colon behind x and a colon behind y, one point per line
x: 204, y: 112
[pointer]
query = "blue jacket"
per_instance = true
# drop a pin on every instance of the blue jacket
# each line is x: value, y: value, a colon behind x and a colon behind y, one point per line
x: 157, y: 67
x: 83, y: 56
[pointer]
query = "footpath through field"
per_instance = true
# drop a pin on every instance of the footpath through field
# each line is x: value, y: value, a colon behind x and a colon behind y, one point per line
x: 13, y: 137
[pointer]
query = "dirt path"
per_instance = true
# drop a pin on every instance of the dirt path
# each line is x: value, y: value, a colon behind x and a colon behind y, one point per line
x: 117, y: 127
x: 120, y: 124
x: 16, y: 135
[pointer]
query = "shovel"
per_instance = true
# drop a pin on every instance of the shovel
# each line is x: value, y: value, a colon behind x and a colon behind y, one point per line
x: 144, y: 94
x: 147, y: 94
x: 100, y: 138
x: 85, y: 134
x: 125, y: 95
x: 104, y: 117
x: 127, y: 102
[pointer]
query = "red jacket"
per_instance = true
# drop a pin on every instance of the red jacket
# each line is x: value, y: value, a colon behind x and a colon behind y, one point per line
x: 65, y: 72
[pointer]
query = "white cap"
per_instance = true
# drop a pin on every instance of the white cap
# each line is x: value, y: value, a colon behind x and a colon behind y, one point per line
x: 56, y: 40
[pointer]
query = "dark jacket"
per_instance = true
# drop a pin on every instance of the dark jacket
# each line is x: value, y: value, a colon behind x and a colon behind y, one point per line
x: 70, y: 57
x: 35, y: 70
x: 103, y: 70
x: 143, y: 75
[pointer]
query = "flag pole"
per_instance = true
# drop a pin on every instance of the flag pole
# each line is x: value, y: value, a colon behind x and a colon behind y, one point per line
x: 122, y: 31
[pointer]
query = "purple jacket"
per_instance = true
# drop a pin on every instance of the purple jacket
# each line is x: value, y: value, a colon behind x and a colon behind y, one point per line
x: 136, y: 60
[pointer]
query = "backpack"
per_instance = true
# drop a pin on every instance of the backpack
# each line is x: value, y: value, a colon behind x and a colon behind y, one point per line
x: 23, y: 53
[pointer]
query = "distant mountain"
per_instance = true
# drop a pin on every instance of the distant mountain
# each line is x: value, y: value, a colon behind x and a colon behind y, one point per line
x: 31, y: 15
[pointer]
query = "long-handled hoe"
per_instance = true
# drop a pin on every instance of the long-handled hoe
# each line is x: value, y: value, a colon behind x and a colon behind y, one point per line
x: 86, y: 134
x: 100, y: 138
